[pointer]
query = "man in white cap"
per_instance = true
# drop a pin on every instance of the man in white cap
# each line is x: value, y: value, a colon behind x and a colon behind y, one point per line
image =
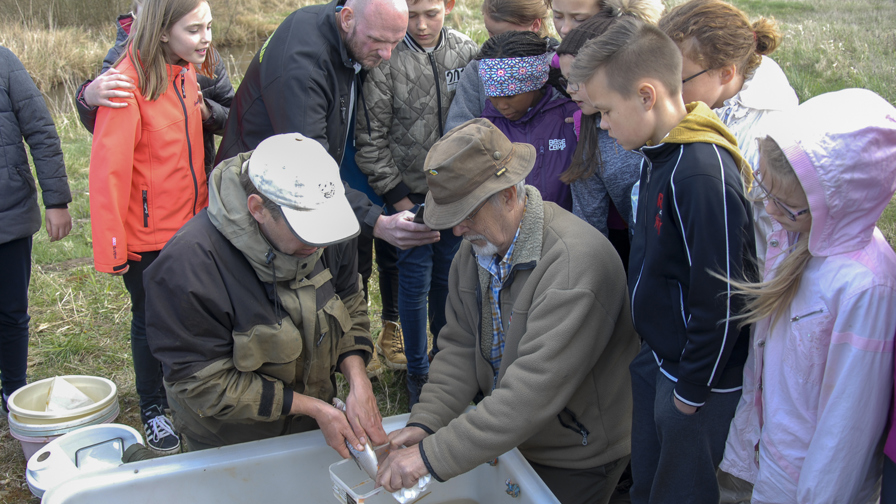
x: 256, y: 299
x: 538, y: 327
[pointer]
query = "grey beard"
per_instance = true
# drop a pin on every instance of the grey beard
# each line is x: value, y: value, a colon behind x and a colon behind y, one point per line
x: 487, y: 250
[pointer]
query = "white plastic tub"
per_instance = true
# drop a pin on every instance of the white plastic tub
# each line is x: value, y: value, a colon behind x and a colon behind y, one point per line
x: 290, y: 469
x: 34, y: 427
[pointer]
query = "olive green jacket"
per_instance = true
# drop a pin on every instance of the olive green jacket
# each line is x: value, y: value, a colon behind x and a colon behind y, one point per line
x: 232, y: 351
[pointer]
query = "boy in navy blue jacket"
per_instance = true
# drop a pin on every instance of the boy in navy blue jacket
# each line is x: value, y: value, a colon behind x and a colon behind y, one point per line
x: 693, y: 232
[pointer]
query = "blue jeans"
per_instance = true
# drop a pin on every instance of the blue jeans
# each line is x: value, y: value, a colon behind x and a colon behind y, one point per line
x: 147, y: 369
x: 422, y: 276
x: 674, y: 455
x: 15, y: 256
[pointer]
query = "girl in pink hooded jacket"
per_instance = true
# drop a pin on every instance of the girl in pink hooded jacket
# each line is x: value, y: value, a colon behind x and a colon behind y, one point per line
x: 818, y: 381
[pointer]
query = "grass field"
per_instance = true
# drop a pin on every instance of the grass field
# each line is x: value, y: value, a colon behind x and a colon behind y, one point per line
x: 80, y: 318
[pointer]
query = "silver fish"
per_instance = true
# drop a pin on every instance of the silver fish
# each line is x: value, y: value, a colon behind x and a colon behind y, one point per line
x: 366, y: 459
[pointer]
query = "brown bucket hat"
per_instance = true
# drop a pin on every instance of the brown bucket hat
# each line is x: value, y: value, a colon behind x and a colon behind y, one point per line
x: 466, y: 166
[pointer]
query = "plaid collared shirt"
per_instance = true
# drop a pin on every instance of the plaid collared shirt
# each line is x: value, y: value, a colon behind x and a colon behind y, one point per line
x: 498, y: 268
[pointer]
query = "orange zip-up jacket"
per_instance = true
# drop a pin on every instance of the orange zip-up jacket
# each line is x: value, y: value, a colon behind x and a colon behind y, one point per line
x: 147, y: 177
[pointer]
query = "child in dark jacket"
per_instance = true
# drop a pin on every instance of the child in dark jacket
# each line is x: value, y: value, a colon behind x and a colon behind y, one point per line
x: 515, y: 69
x: 407, y: 102
x: 24, y: 116
x: 693, y: 232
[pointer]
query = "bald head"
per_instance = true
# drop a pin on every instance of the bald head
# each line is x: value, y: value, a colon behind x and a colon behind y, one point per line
x: 372, y: 28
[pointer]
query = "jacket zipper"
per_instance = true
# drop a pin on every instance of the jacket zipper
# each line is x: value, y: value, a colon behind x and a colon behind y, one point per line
x: 435, y: 74
x: 187, y: 131
x: 800, y: 317
x: 579, y: 428
x: 641, y: 209
x: 145, y: 210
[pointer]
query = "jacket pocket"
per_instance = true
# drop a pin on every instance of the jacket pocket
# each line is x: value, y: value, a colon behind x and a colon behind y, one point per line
x: 569, y: 421
x: 25, y: 173
x: 676, y: 316
x: 269, y: 349
x: 144, y: 193
x: 14, y: 187
x: 808, y: 342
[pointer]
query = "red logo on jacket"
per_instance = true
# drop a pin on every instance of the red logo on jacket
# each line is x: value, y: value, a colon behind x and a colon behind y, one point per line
x: 658, y: 222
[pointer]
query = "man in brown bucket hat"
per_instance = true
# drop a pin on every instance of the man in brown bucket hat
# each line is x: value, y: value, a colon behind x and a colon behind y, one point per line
x: 538, y: 330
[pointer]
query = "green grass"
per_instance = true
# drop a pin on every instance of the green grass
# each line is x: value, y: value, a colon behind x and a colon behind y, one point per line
x: 831, y: 45
x: 80, y: 318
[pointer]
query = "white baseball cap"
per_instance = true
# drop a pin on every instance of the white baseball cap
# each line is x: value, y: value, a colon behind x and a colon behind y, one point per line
x: 297, y: 173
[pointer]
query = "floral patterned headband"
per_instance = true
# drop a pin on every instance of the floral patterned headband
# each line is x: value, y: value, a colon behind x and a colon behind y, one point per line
x: 512, y: 76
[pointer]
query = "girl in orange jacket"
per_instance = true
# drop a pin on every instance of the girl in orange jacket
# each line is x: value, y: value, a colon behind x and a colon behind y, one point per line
x: 147, y: 175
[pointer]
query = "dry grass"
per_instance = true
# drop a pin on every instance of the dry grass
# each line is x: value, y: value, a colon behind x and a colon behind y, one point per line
x: 66, y: 49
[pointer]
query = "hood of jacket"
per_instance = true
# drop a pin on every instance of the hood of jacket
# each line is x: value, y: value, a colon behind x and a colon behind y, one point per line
x: 124, y: 23
x: 704, y: 126
x: 228, y: 212
x: 842, y: 146
x: 550, y: 99
x: 767, y: 89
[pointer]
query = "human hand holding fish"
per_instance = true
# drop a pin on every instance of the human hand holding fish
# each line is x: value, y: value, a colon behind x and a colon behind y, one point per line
x: 401, y: 469
x: 363, y: 454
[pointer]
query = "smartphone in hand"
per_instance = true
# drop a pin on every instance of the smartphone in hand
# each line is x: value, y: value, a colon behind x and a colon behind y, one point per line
x: 418, y: 217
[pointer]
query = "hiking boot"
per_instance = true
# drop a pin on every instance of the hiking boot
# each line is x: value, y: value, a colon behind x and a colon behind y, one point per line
x: 160, y: 434
x: 415, y: 386
x: 391, y: 346
x: 374, y: 367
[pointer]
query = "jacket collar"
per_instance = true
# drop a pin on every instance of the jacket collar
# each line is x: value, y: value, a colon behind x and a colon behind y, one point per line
x: 767, y: 89
x: 228, y: 213
x: 702, y: 125
x: 528, y: 246
x: 414, y: 46
x: 124, y: 24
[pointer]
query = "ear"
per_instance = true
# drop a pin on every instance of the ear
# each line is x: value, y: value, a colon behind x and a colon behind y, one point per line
x: 509, y: 194
x: 164, y: 36
x: 449, y: 5
x: 346, y: 19
x: 646, y: 95
x: 536, y: 26
x: 256, y: 207
x: 727, y: 73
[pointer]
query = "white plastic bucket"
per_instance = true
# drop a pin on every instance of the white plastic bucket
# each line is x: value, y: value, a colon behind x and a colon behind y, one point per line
x: 34, y: 427
x: 29, y: 402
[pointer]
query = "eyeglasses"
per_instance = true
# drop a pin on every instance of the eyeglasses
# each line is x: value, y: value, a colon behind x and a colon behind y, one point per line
x: 470, y: 217
x: 698, y: 74
x: 568, y: 86
x: 765, y: 195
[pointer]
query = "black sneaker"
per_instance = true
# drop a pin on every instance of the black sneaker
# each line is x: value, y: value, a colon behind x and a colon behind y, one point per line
x: 160, y: 434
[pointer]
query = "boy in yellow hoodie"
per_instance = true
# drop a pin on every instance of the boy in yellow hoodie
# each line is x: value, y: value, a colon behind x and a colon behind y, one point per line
x: 691, y: 219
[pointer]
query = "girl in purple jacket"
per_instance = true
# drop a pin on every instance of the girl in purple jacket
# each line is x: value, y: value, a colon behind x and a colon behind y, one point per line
x: 525, y: 106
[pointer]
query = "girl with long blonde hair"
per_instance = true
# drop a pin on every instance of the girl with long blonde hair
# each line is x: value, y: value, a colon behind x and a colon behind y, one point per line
x: 818, y: 381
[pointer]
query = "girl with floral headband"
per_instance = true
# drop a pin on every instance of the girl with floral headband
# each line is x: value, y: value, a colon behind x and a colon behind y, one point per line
x: 525, y: 105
